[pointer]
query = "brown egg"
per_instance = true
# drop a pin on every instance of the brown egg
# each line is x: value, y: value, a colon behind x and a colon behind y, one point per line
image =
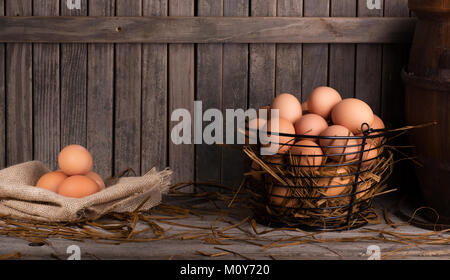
x: 274, y: 160
x: 94, y: 176
x: 370, y: 154
x: 289, y: 106
x: 51, y: 181
x: 253, y: 126
x: 279, y: 143
x: 343, y: 146
x: 363, y: 188
x: 336, y: 181
x: 256, y: 167
x: 322, y: 100
x: 78, y: 186
x: 75, y: 160
x: 277, y: 197
x: 308, y: 153
x: 310, y: 124
x: 377, y: 123
x: 352, y: 113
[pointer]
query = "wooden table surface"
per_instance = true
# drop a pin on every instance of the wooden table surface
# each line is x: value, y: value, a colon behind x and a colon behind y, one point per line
x: 176, y: 248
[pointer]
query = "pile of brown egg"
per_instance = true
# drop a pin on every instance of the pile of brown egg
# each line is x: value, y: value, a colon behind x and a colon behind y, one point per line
x: 75, y: 177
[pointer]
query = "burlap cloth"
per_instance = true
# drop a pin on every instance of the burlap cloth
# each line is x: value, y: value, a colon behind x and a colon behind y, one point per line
x: 19, y: 198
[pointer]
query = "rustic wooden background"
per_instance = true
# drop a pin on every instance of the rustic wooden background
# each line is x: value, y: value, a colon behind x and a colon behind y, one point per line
x: 116, y: 99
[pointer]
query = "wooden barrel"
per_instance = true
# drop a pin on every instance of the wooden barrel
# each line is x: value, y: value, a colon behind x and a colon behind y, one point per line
x: 427, y: 81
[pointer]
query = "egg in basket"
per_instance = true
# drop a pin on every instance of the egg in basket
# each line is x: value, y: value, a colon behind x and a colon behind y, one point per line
x: 319, y: 164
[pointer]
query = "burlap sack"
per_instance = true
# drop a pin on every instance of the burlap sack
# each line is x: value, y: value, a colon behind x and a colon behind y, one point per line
x: 19, y: 198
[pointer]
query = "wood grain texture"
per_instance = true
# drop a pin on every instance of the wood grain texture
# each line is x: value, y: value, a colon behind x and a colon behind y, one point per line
x: 393, y: 97
x: 19, y: 110
x: 395, y: 57
x: 262, y: 60
x: 100, y: 96
x: 427, y: 99
x: 342, y: 56
x: 209, y: 91
x: 330, y: 246
x: 128, y: 79
x: 368, y: 65
x: 235, y: 91
x: 181, y: 93
x: 315, y: 56
x: 73, y: 85
x: 154, y: 95
x: 289, y: 56
x: 46, y: 92
x: 2, y: 97
x: 257, y: 29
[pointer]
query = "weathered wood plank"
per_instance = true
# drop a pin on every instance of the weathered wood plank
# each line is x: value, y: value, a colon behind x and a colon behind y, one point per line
x: 128, y: 79
x: 2, y: 97
x: 315, y: 56
x: 73, y: 85
x: 328, y: 245
x: 256, y: 29
x: 100, y: 96
x: 395, y: 57
x: 262, y: 60
x: 19, y: 110
x: 181, y: 93
x: 342, y: 56
x: 235, y: 90
x: 393, y: 95
x: 209, y: 91
x: 368, y: 65
x: 154, y: 95
x: 46, y: 92
x: 289, y: 56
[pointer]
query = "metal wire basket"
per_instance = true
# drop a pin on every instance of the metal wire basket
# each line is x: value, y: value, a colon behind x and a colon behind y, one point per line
x: 287, y: 190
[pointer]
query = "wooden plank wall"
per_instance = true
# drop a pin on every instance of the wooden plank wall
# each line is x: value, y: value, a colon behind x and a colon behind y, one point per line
x: 2, y: 98
x: 234, y: 88
x: 100, y: 95
x: 117, y: 98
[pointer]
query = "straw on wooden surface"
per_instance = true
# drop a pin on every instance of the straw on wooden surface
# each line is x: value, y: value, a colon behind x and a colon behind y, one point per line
x: 158, y: 224
x: 120, y: 228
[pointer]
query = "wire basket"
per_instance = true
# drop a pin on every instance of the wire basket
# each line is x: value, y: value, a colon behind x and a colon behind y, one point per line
x: 329, y: 191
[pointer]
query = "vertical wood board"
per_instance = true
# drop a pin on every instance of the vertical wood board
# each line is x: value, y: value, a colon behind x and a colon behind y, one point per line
x: 315, y: 56
x: 342, y: 56
x: 395, y: 57
x: 100, y: 96
x: 128, y: 79
x: 262, y: 60
x: 289, y: 56
x: 73, y: 85
x: 368, y: 65
x: 19, y: 109
x: 154, y: 95
x: 181, y: 93
x: 46, y: 92
x: 3, y: 154
x: 235, y: 91
x: 209, y: 92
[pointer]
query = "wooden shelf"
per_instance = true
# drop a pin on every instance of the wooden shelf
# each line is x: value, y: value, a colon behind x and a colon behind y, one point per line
x: 62, y: 29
